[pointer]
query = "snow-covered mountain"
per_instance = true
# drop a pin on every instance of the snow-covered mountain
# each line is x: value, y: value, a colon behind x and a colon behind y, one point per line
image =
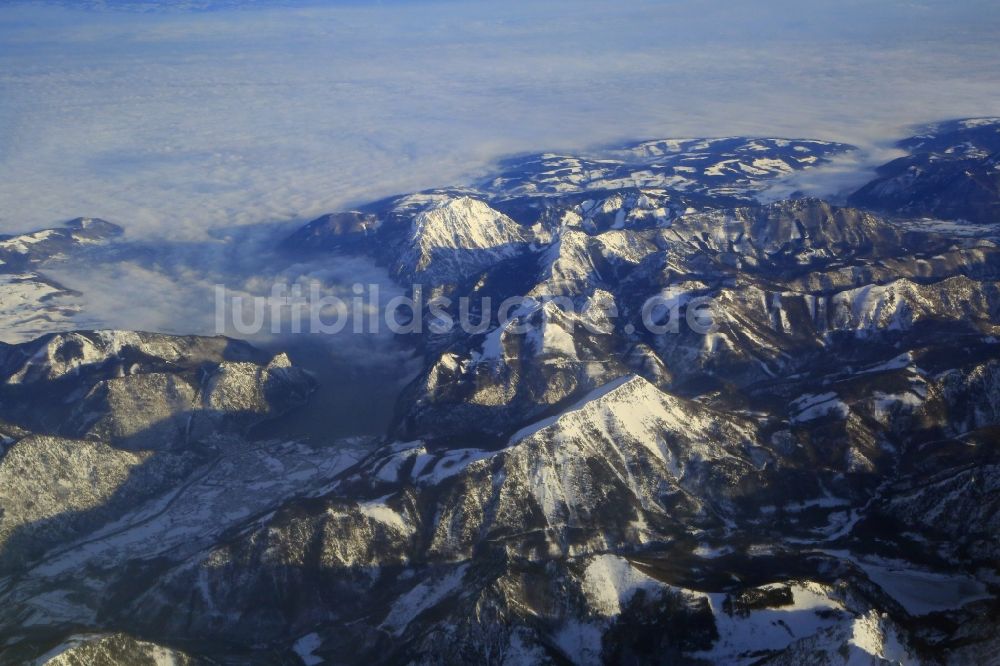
x: 458, y: 237
x: 952, y: 171
x: 811, y: 479
x: 728, y: 167
x: 30, y: 302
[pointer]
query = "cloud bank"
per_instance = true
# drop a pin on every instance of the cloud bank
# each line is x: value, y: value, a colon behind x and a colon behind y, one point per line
x: 177, y: 123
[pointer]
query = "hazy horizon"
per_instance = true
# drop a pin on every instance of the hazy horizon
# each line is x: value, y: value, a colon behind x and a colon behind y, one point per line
x: 176, y: 122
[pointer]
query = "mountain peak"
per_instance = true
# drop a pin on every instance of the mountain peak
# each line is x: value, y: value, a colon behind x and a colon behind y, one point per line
x: 459, y: 236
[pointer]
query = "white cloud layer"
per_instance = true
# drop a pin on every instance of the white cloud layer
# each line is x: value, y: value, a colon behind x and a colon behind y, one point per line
x: 174, y: 123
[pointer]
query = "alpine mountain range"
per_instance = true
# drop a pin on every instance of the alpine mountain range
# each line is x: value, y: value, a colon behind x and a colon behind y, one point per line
x: 816, y: 480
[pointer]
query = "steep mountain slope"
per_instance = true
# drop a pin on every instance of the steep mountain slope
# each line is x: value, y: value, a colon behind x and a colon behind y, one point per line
x: 142, y: 410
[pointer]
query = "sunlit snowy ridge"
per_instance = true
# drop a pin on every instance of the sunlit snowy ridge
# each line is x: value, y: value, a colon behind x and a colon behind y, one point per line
x: 812, y: 478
